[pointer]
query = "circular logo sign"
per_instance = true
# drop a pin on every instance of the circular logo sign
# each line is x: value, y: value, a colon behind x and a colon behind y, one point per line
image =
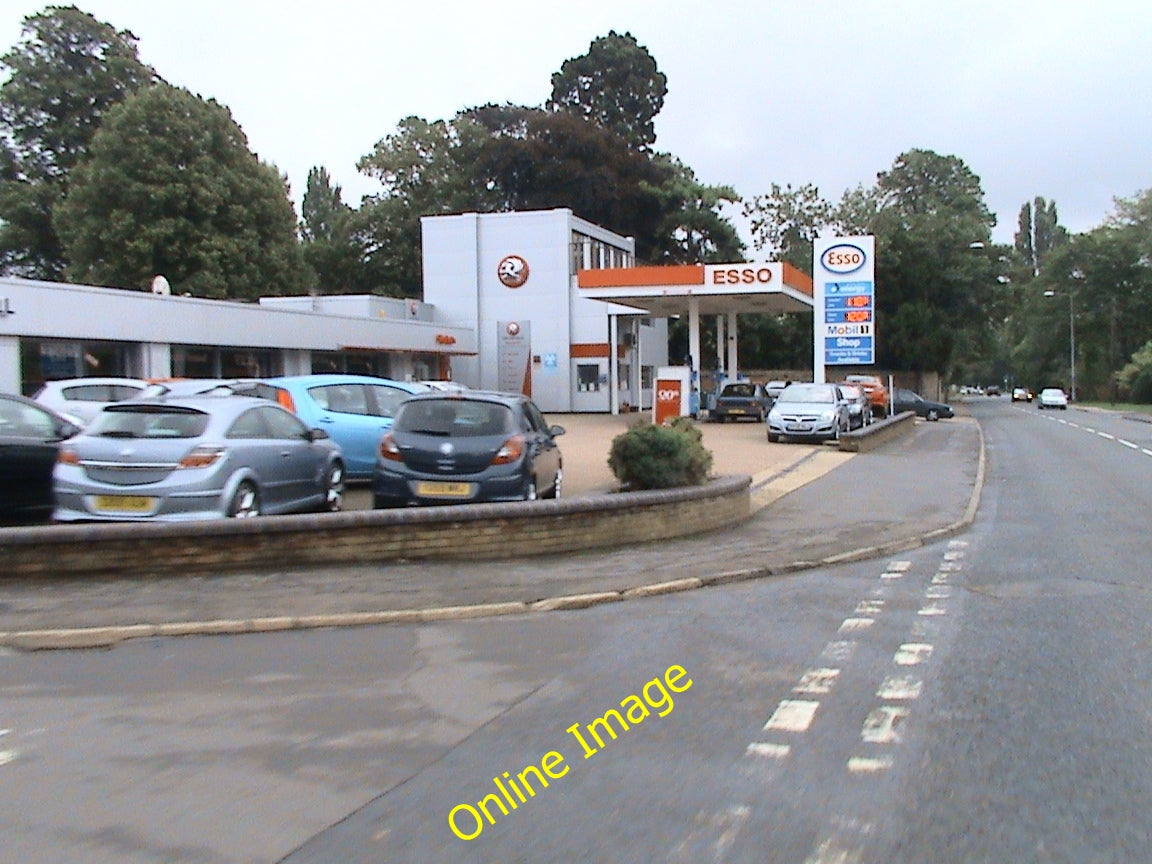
x: 843, y: 258
x: 513, y: 329
x: 512, y: 271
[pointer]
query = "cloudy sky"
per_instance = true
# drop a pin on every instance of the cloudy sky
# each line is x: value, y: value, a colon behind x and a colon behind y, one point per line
x: 1038, y: 98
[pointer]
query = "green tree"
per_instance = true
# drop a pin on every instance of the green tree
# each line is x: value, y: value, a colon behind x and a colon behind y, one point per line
x: 693, y: 229
x: 332, y: 246
x: 933, y: 276
x: 64, y: 76
x: 616, y: 84
x: 1038, y: 233
x: 170, y: 187
x: 786, y: 221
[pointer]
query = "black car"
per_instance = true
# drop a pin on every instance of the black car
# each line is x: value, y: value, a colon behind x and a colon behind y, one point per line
x: 906, y: 400
x: 741, y: 399
x: 467, y: 447
x: 30, y: 435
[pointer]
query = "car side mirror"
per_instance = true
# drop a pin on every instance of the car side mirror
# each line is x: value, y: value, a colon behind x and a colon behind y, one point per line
x: 317, y: 435
x: 67, y: 430
x: 556, y: 430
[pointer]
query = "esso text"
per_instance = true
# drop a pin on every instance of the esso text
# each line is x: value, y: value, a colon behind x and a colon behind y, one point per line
x: 741, y: 276
x: 843, y: 258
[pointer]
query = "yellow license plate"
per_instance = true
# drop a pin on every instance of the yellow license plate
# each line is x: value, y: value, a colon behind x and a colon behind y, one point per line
x: 444, y: 490
x: 123, y: 504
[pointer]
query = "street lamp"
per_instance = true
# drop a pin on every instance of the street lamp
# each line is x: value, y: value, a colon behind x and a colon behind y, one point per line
x: 1071, y: 335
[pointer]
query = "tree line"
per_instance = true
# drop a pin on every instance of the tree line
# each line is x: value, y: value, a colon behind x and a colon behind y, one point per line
x: 110, y: 175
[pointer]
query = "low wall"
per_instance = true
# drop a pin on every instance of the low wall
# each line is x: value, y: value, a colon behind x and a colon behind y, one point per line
x: 463, y: 532
x: 882, y: 431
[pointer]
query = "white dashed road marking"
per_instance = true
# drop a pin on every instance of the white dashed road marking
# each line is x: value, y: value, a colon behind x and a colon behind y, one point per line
x: 792, y: 715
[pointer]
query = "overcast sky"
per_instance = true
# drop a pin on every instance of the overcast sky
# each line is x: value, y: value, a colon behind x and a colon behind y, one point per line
x: 1038, y: 98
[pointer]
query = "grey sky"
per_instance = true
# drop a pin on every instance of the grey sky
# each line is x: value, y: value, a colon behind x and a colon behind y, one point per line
x: 1038, y: 98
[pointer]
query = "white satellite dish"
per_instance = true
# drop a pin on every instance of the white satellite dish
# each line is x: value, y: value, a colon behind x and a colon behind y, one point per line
x: 160, y: 286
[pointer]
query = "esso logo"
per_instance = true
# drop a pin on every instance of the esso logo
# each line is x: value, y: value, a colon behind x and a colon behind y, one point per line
x: 512, y: 271
x: 741, y: 276
x: 667, y: 395
x: 843, y: 258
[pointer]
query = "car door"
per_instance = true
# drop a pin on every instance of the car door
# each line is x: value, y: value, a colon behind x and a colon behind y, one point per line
x: 347, y: 414
x: 29, y: 438
x: 260, y: 442
x: 545, y: 451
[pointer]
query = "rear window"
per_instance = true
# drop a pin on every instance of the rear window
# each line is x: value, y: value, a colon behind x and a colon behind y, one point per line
x: 149, y: 422
x: 747, y: 391
x: 99, y: 392
x: 808, y: 394
x: 454, y: 418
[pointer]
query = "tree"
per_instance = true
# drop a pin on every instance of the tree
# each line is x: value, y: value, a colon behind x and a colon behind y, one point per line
x: 64, y: 77
x: 617, y: 85
x: 170, y: 187
x: 332, y: 247
x: 1039, y: 233
x: 934, y: 277
x: 786, y: 221
x: 693, y: 230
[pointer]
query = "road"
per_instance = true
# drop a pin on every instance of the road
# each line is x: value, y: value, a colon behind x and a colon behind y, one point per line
x: 981, y: 699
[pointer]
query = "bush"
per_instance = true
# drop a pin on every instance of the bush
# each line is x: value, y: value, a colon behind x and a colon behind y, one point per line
x: 660, y: 457
x: 1142, y: 387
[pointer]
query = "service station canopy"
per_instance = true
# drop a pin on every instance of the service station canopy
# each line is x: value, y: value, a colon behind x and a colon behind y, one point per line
x: 713, y: 289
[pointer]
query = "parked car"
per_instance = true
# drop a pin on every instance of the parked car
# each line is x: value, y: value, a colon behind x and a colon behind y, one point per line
x: 860, y: 406
x: 741, y: 399
x: 200, y: 457
x: 1053, y: 397
x: 355, y: 411
x: 774, y: 389
x: 178, y: 387
x: 1021, y: 394
x: 907, y: 400
x: 445, y: 386
x: 875, y: 388
x: 84, y: 398
x: 474, y: 446
x: 814, y: 411
x: 30, y: 435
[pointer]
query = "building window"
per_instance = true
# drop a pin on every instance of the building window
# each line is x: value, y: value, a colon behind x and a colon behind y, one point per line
x: 205, y: 361
x: 51, y: 360
x: 588, y: 377
x: 647, y: 373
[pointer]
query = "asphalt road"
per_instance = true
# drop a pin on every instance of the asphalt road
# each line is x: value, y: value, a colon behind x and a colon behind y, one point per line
x: 983, y: 698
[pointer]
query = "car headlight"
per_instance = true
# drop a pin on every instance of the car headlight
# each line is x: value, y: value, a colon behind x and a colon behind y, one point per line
x: 774, y: 415
x: 828, y: 415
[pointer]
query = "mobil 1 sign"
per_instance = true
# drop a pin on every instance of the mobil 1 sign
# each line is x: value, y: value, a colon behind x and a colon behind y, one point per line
x: 844, y: 294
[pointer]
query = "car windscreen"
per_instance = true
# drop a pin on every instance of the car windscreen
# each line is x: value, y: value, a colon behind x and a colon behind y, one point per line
x: 746, y: 391
x: 808, y: 394
x: 149, y: 421
x: 454, y: 418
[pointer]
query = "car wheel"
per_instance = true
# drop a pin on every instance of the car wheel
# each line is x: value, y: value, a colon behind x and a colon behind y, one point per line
x: 933, y: 414
x: 245, y: 501
x: 334, y: 489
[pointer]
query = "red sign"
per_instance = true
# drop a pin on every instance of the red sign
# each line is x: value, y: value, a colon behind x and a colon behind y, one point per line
x: 668, y: 399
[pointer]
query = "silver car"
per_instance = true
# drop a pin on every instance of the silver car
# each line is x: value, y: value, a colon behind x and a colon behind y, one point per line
x: 812, y: 411
x: 198, y: 457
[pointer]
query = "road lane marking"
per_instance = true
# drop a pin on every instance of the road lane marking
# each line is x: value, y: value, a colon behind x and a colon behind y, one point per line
x: 880, y: 727
x: 912, y: 654
x: 1128, y: 444
x: 869, y: 607
x: 900, y: 566
x: 792, y: 715
x: 712, y: 836
x: 817, y: 681
x: 770, y: 751
x: 869, y: 764
x: 853, y: 624
x: 1106, y: 435
x: 902, y: 687
x: 838, y: 652
x: 932, y: 608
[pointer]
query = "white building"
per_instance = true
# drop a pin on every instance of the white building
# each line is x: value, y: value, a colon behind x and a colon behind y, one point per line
x: 511, y: 278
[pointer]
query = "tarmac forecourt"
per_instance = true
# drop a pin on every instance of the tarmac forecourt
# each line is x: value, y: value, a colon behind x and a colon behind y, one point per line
x: 795, y: 491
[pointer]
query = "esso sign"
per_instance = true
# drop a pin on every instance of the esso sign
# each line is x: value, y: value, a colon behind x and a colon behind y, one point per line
x: 843, y: 258
x: 741, y: 276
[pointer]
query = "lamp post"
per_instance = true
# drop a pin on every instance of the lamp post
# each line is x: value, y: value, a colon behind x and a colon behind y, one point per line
x: 1071, y: 336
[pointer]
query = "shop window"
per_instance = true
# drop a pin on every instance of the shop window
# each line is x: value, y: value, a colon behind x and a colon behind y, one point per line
x: 588, y: 377
x: 51, y: 360
x: 647, y: 374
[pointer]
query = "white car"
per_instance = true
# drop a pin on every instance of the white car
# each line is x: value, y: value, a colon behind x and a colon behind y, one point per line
x: 1053, y: 397
x: 83, y: 398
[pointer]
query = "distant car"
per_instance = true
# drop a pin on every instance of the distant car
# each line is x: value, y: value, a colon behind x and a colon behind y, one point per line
x: 1021, y: 394
x: 907, y: 400
x: 30, y: 435
x: 813, y: 411
x: 860, y: 406
x: 178, y: 387
x: 355, y: 411
x: 875, y: 388
x: 1053, y: 397
x: 774, y: 389
x: 200, y: 457
x: 84, y: 398
x: 992, y: 390
x: 468, y: 447
x: 741, y: 400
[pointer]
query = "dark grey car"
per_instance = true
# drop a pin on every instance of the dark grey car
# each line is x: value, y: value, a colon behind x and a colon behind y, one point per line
x: 466, y: 447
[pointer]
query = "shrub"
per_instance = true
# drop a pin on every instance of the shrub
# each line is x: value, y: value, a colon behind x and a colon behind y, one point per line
x: 648, y: 456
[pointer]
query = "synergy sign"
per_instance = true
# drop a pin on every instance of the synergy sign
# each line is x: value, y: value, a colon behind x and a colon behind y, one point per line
x: 844, y: 294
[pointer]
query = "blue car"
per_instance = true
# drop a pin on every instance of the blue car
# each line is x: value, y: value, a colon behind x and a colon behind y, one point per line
x: 355, y: 411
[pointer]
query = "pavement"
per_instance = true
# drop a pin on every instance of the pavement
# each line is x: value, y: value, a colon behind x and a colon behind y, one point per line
x: 812, y: 506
